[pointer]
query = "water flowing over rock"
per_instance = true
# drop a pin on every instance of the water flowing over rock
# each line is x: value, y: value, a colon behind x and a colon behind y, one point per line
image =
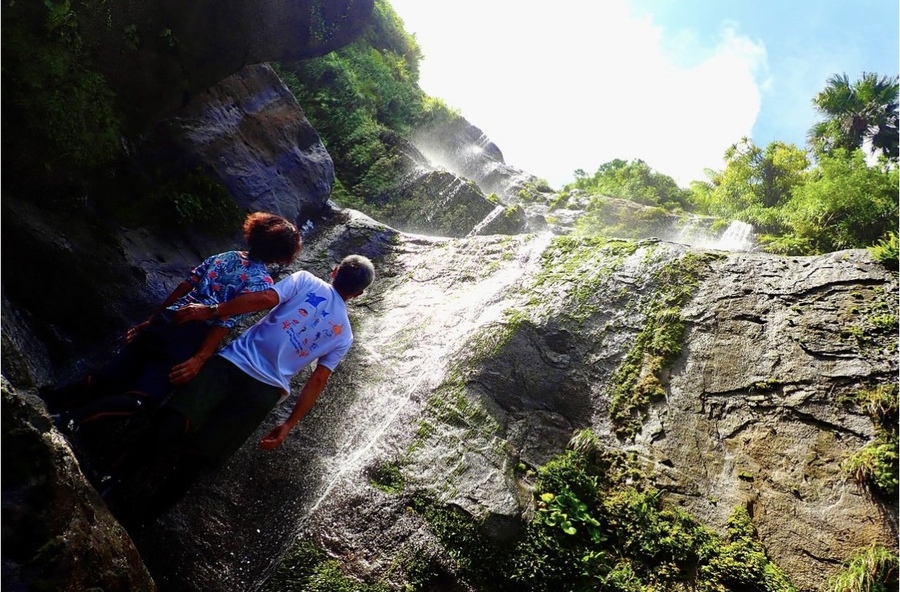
x: 249, y: 132
x: 440, y: 203
x: 466, y: 151
x: 475, y: 355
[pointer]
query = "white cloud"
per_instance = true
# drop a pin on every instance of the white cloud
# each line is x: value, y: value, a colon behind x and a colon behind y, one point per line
x: 571, y: 84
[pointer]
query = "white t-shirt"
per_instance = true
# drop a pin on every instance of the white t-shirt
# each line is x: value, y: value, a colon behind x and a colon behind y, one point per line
x: 310, y: 322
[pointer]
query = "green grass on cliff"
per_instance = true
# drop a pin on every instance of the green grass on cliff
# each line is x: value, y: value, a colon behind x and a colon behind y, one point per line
x: 598, y: 526
x: 638, y: 382
x: 875, y: 465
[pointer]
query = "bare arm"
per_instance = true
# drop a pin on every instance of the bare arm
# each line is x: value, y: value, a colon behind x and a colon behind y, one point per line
x: 187, y: 370
x: 179, y: 291
x: 245, y: 303
x: 307, y: 398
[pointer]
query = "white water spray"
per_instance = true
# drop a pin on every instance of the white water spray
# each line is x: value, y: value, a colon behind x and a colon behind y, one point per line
x: 737, y: 237
x: 450, y: 315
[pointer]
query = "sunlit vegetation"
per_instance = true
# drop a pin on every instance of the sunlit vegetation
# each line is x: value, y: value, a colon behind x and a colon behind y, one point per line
x: 823, y: 199
x: 873, y: 569
x: 598, y: 525
x: 876, y: 464
x: 362, y: 99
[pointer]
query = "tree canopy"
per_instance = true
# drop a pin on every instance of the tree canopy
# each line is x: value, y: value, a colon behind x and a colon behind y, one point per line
x: 856, y: 112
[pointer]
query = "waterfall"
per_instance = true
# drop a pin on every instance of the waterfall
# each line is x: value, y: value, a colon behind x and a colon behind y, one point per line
x: 737, y: 237
x: 433, y: 315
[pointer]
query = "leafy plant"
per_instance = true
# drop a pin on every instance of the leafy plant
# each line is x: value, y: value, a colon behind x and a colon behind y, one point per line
x: 886, y: 251
x: 876, y: 464
x: 873, y: 569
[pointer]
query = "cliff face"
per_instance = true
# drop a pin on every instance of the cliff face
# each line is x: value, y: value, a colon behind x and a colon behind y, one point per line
x: 249, y: 133
x: 159, y: 54
x: 474, y: 356
x: 57, y: 534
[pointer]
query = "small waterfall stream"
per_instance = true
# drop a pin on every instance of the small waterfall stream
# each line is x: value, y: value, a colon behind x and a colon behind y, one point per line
x: 737, y: 237
x: 424, y: 321
x: 430, y: 297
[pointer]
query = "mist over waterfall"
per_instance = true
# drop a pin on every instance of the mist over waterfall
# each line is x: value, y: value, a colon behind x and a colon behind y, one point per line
x: 737, y: 237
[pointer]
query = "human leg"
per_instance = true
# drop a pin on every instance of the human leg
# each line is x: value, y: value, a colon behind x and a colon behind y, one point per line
x: 219, y: 430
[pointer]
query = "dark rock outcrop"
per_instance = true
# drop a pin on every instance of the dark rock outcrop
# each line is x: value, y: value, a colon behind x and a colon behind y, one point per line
x: 57, y: 532
x: 159, y: 54
x: 249, y: 133
x: 465, y: 150
x: 437, y: 203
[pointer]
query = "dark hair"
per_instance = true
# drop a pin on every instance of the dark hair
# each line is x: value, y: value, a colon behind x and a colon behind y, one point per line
x: 354, y: 274
x: 271, y: 238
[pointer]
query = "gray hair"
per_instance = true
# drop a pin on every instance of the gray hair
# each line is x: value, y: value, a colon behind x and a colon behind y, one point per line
x: 354, y: 274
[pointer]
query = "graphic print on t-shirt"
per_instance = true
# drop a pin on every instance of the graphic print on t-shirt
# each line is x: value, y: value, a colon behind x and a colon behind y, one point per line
x: 309, y: 331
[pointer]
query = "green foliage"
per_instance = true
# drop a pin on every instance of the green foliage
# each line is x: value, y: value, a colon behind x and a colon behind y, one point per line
x: 387, y: 477
x: 754, y: 183
x: 578, y: 268
x: 741, y: 563
x: 598, y: 527
x: 637, y: 383
x: 305, y: 568
x: 886, y: 251
x: 854, y: 112
x: 60, y: 122
x: 876, y: 464
x: 844, y: 204
x: 872, y: 569
x: 360, y: 98
x: 634, y: 181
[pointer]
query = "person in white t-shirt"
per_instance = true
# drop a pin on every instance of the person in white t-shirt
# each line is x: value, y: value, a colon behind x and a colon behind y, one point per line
x: 212, y: 416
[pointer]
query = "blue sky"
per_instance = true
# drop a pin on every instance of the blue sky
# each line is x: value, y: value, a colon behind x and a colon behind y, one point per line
x: 572, y: 84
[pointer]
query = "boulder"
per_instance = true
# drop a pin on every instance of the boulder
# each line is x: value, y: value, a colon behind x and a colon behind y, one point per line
x: 57, y: 532
x: 463, y: 149
x: 249, y: 133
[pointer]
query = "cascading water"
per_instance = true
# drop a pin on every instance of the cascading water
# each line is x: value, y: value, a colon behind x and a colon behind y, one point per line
x: 737, y: 237
x: 430, y: 298
x: 422, y: 329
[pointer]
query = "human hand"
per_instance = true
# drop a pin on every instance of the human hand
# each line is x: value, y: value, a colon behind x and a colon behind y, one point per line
x: 191, y: 312
x: 275, y: 437
x: 133, y: 332
x: 185, y: 371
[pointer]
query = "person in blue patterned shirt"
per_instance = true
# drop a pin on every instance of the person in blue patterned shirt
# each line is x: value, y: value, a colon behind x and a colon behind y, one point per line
x: 140, y: 375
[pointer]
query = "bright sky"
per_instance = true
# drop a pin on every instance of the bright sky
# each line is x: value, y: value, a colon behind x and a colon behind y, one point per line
x: 567, y: 84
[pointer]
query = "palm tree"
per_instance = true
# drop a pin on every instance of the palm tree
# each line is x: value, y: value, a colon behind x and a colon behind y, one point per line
x: 863, y: 110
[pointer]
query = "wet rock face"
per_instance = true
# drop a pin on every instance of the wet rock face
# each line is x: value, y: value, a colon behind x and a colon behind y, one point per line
x: 438, y: 203
x: 57, y: 533
x: 465, y: 150
x: 755, y: 416
x: 474, y: 355
x: 753, y: 413
x: 250, y: 134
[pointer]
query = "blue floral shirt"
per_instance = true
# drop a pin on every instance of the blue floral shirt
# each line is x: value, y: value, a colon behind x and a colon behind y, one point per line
x: 222, y: 277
